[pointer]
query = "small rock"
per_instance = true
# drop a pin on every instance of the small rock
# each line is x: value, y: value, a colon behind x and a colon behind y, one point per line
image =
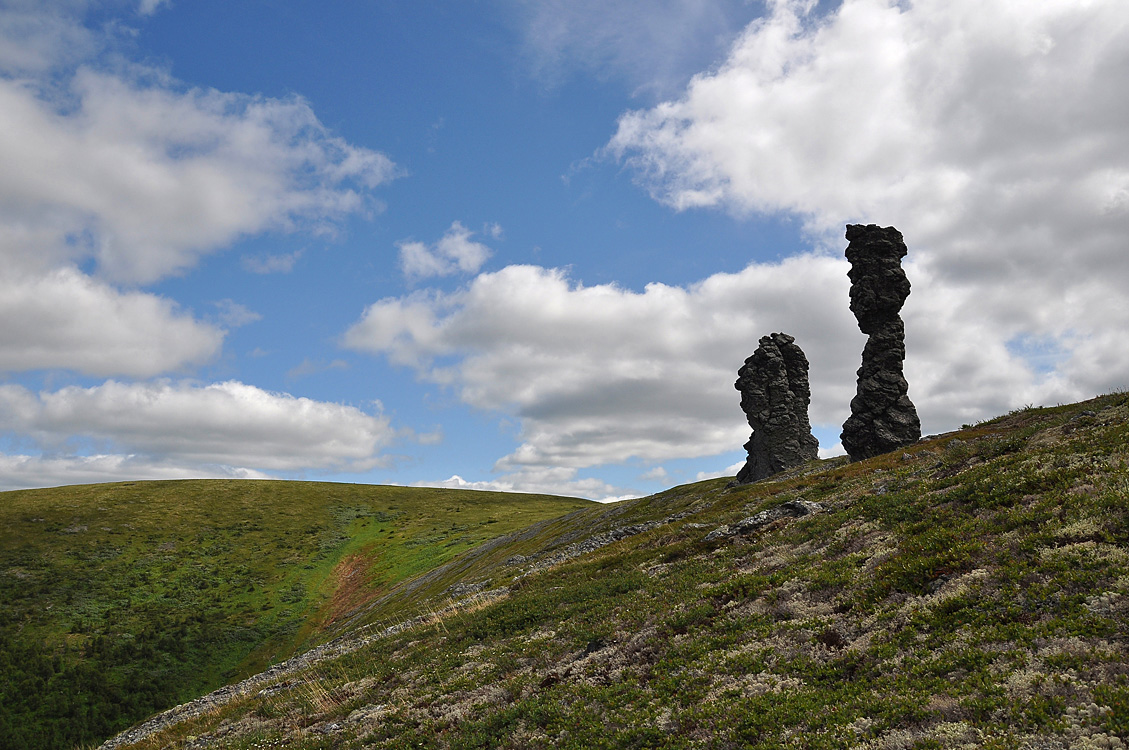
x: 721, y: 532
x: 937, y: 584
x: 790, y: 509
x: 463, y: 589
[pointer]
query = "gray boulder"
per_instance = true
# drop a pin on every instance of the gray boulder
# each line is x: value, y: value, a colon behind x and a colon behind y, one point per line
x: 746, y: 526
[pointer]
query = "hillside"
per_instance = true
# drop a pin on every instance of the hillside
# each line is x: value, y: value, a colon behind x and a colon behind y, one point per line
x: 971, y: 592
x: 120, y: 600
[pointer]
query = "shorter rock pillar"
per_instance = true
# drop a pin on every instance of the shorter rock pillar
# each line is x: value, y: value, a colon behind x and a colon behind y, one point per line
x: 774, y: 396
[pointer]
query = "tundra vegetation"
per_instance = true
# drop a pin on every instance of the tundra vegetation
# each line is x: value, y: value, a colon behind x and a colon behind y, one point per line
x: 120, y: 600
x: 968, y: 591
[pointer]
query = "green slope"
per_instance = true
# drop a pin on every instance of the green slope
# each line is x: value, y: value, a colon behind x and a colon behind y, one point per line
x: 971, y: 591
x: 119, y: 600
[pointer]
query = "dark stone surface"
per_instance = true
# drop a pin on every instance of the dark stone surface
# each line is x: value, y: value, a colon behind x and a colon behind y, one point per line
x: 774, y: 396
x: 882, y: 416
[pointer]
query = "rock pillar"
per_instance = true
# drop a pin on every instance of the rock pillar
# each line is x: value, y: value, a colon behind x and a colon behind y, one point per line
x: 774, y: 396
x: 882, y: 416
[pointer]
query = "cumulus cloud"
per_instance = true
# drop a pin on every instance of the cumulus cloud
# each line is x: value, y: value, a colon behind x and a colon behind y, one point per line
x: 185, y: 427
x: 63, y: 319
x: 454, y: 252
x: 602, y: 374
x: 145, y: 176
x: 115, y: 174
x: 992, y: 134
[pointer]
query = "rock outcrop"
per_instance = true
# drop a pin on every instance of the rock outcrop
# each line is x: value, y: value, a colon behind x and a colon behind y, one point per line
x: 775, y: 397
x: 882, y: 416
x: 746, y: 526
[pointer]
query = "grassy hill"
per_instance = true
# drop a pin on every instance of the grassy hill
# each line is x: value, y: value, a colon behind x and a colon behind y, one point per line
x: 971, y: 591
x: 120, y: 600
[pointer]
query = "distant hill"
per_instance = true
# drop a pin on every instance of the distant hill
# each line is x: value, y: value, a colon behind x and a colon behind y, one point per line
x: 120, y: 600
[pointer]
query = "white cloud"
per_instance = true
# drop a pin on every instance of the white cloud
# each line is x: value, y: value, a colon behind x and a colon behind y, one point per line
x: 602, y: 374
x: 145, y: 177
x: 64, y: 319
x: 189, y: 427
x: 835, y: 450
x: 120, y: 169
x: 37, y: 35
x: 149, y: 7
x: 24, y: 471
x: 543, y: 481
x: 656, y: 474
x: 454, y: 252
x: 729, y: 471
x: 993, y: 134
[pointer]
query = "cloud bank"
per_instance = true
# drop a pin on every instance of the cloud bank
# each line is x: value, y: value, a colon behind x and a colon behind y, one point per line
x: 144, y: 176
x: 602, y: 374
x: 994, y: 136
x: 64, y: 319
x: 114, y: 175
x: 165, y: 428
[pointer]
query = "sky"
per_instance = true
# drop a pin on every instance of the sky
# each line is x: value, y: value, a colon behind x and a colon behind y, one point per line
x: 520, y: 245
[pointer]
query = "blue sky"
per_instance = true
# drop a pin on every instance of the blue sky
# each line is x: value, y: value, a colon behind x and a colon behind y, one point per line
x: 526, y: 245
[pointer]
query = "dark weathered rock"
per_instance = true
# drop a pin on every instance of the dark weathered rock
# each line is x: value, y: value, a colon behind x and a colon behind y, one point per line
x: 775, y: 397
x: 882, y: 416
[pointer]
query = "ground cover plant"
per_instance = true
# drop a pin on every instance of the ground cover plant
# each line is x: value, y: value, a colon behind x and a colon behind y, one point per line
x: 120, y: 600
x: 971, y: 591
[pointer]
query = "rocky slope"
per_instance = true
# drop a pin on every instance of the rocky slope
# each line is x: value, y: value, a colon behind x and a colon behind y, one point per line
x: 971, y: 590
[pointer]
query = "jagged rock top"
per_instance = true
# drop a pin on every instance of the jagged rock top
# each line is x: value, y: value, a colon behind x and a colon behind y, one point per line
x: 879, y: 286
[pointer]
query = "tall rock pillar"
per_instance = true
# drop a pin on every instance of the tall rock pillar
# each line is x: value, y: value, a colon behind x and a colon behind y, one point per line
x: 882, y: 416
x: 775, y: 397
